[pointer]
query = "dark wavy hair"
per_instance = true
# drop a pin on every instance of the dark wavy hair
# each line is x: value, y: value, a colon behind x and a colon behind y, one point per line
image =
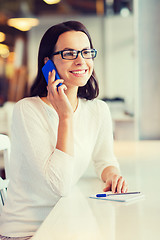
x: 46, y: 49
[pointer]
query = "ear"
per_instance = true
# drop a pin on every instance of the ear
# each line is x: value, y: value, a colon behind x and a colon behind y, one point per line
x: 46, y: 60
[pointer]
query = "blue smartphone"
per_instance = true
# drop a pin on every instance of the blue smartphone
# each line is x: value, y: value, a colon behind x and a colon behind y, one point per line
x: 48, y: 67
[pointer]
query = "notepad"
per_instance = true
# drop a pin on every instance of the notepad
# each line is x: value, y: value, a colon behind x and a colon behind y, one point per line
x: 119, y: 197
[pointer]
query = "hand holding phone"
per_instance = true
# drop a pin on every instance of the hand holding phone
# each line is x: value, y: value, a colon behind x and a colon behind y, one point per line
x: 48, y: 67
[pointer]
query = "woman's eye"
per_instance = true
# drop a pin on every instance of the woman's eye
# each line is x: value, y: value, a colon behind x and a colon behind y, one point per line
x: 87, y: 52
x: 69, y: 53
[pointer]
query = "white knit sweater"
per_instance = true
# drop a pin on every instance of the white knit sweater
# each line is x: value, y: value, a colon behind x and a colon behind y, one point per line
x: 40, y: 174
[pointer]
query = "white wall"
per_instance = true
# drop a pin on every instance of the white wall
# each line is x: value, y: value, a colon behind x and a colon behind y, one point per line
x: 148, y: 47
x: 120, y: 59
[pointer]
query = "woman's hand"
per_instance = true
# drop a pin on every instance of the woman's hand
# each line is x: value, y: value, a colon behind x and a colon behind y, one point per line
x: 60, y: 102
x: 58, y: 99
x: 114, y: 181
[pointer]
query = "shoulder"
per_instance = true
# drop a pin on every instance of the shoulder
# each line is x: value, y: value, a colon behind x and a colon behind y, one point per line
x: 29, y: 111
x: 27, y: 103
x: 95, y: 111
x: 28, y: 106
x: 95, y: 106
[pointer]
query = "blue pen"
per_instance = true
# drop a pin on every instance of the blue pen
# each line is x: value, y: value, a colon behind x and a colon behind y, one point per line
x: 106, y: 195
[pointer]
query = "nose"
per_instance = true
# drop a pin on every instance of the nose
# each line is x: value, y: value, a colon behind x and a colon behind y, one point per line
x: 79, y: 59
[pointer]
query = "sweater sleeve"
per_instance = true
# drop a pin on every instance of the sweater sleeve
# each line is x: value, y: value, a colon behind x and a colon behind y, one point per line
x: 36, y: 142
x: 103, y: 155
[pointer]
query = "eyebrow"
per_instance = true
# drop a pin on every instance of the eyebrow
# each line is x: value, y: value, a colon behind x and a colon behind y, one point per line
x: 74, y: 49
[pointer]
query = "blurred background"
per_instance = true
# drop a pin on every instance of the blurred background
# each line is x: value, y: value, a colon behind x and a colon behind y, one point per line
x: 127, y: 37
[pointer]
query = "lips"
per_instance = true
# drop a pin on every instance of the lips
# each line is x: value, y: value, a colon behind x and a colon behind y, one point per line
x: 79, y: 72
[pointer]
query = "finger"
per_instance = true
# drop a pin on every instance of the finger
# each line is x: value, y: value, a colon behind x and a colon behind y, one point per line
x: 61, y: 91
x: 62, y: 88
x: 114, y: 183
x: 107, y: 188
x: 52, y: 92
x: 124, y: 187
x: 120, y: 184
x: 51, y: 76
x: 55, y: 82
x: 53, y: 87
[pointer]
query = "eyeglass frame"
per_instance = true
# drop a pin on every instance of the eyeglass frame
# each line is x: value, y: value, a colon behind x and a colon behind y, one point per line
x: 77, y: 51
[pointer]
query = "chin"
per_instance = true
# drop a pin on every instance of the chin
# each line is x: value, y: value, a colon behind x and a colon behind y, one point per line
x: 82, y: 83
x: 77, y: 83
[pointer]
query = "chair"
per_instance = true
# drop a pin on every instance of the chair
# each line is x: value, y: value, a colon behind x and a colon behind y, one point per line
x: 5, y: 146
x: 3, y: 191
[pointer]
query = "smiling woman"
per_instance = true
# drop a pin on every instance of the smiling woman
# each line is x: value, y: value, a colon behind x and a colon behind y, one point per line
x: 77, y: 69
x: 54, y: 41
x: 51, y: 129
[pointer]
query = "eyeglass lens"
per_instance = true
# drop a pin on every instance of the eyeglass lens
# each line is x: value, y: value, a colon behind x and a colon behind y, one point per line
x: 73, y: 54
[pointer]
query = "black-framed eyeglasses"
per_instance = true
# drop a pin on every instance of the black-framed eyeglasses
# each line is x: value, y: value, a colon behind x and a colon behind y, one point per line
x: 71, y: 54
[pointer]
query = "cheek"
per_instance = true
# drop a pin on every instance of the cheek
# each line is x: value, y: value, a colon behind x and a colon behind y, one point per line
x: 63, y: 72
x: 61, y: 67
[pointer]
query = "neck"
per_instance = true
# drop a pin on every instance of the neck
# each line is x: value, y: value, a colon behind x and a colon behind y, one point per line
x: 72, y: 97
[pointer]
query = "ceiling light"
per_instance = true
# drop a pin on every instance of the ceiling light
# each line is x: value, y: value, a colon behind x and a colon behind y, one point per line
x: 24, y: 21
x: 23, y: 24
x: 2, y: 37
x: 4, y: 50
x: 51, y: 1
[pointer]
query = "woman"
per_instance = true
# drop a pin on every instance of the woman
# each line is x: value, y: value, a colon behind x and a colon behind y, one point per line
x: 57, y: 131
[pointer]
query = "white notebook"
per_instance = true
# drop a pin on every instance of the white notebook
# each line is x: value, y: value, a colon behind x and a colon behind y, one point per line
x: 121, y: 197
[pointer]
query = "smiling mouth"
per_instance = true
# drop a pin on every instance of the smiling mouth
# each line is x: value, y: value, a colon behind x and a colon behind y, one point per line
x: 79, y: 72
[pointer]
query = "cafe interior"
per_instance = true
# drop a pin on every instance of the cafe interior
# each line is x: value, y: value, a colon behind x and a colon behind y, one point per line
x: 127, y: 38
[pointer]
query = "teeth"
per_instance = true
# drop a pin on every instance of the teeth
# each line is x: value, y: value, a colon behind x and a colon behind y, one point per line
x: 79, y: 72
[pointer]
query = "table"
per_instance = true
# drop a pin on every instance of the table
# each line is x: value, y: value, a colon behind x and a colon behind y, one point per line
x: 77, y: 217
